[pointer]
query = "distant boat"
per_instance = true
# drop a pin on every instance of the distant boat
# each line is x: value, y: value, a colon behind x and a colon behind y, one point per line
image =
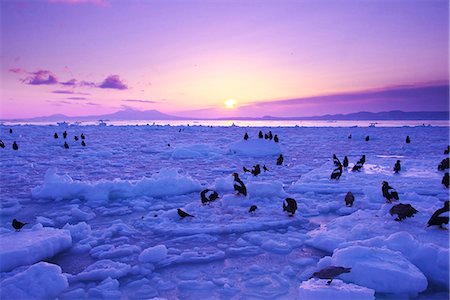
x: 373, y: 124
x: 101, y: 123
x: 63, y: 124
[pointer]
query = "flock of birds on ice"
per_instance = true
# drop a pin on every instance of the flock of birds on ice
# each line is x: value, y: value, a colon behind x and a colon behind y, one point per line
x: 289, y: 205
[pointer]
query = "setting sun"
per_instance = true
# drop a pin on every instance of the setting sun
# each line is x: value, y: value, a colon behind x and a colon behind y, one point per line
x: 230, y: 103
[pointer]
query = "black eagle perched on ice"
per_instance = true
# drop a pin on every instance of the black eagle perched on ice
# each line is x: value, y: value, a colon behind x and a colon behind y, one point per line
x: 260, y: 134
x: 389, y: 192
x: 239, y: 185
x: 17, y: 225
x: 436, y: 219
x: 345, y: 162
x: 280, y: 160
x: 246, y: 136
x: 183, y: 214
x: 359, y: 163
x: 55, y: 135
x: 290, y: 205
x: 330, y: 273
x: 336, y: 160
x: 445, y: 180
x: 349, y: 199
x: 252, y: 208
x: 444, y: 164
x: 208, y: 195
x: 256, y: 170
x: 2, y: 145
x: 15, y: 146
x: 397, y: 167
x: 336, y: 174
x: 402, y: 211
x: 408, y: 140
x: 64, y: 134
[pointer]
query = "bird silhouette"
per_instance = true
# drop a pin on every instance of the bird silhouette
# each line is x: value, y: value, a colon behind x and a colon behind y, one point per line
x: 260, y: 134
x: 349, y: 199
x: 436, y: 219
x: 330, y: 273
x: 55, y: 135
x: 265, y: 168
x: 336, y: 160
x: 280, y: 160
x: 445, y: 180
x: 239, y: 185
x: 183, y: 214
x: 208, y: 195
x: 75, y: 138
x: 397, y: 167
x: 66, y: 145
x: 345, y: 162
x: 408, y: 140
x: 275, y: 138
x: 18, y: 225
x: 402, y: 211
x: 290, y: 205
x: 15, y: 146
x: 64, y: 134
x: 253, y: 208
x: 367, y: 138
x: 82, y: 136
x: 2, y: 144
x: 83, y: 144
x: 256, y: 170
x: 246, y: 136
x: 389, y: 192
x: 336, y: 174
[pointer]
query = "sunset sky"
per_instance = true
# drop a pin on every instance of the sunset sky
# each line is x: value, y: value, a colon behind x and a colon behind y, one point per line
x: 187, y: 58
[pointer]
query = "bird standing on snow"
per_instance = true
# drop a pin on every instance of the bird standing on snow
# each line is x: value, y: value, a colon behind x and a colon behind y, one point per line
x: 280, y: 160
x: 82, y: 136
x: 10, y: 130
x: 445, y: 180
x: 83, y: 144
x: 290, y: 205
x: 75, y: 138
x: 238, y: 185
x: 2, y: 144
x: 245, y: 170
x: 246, y: 136
x: 265, y: 168
x: 331, y: 272
x: 260, y: 134
x: 208, y: 195
x: 66, y: 145
x: 408, y: 140
x: 252, y: 209
x: 64, y: 134
x: 367, y: 138
x: 336, y: 160
x: 402, y: 211
x: 447, y: 151
x: 389, y: 192
x: 256, y: 170
x: 397, y: 167
x: 345, y: 162
x: 55, y: 135
x: 444, y: 164
x: 15, y: 146
x: 336, y: 174
x: 183, y: 214
x: 18, y: 225
x: 437, y: 220
x: 349, y: 199
x: 275, y: 138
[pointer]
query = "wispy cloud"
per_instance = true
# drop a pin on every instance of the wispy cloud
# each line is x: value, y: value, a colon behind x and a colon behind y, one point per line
x: 63, y: 92
x: 71, y: 82
x: 113, y: 82
x: 17, y: 70
x: 74, y: 2
x: 41, y: 77
x: 92, y: 104
x: 139, y: 101
x: 77, y: 98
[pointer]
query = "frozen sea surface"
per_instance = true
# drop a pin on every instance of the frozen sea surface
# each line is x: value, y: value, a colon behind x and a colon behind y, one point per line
x: 104, y: 223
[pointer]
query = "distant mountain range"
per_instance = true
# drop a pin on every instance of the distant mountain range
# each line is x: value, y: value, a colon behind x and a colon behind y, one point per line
x: 130, y: 114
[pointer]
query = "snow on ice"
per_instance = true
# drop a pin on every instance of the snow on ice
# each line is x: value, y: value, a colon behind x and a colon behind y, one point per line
x: 104, y: 222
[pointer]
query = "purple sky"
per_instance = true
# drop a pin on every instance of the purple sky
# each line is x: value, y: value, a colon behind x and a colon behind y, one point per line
x: 280, y: 58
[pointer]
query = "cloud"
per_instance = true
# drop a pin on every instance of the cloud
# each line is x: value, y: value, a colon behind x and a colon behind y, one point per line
x: 74, y: 2
x: 17, y: 70
x: 113, y: 82
x: 63, y: 92
x: 92, y: 103
x: 77, y: 98
x: 71, y: 82
x: 41, y: 77
x: 139, y: 101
